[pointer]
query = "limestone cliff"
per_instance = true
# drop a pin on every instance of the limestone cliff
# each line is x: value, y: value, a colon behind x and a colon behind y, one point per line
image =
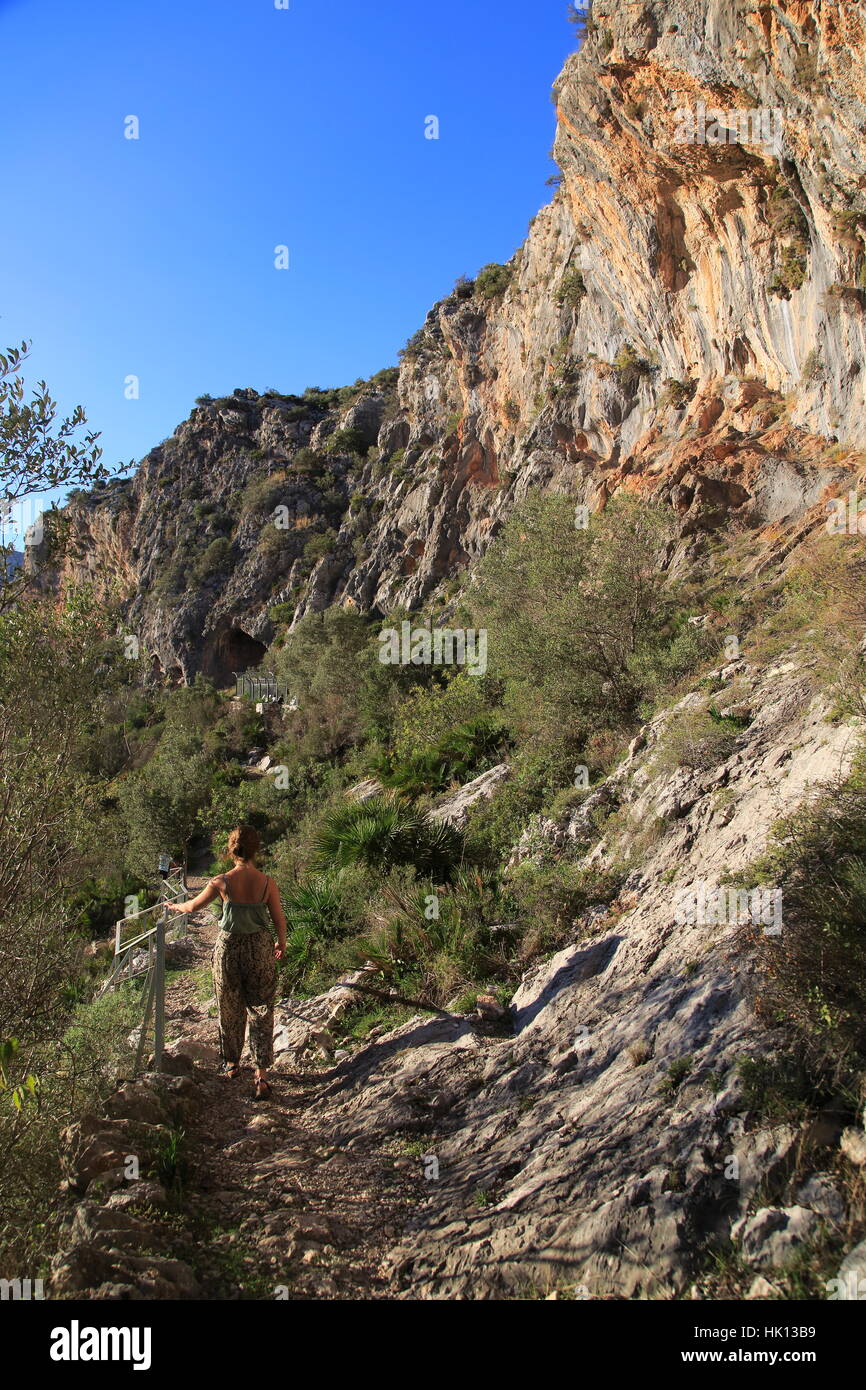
x: 685, y: 318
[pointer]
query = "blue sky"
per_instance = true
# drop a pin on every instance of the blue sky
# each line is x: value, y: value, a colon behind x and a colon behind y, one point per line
x: 259, y: 127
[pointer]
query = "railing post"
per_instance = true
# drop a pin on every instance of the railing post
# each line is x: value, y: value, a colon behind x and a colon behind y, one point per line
x: 159, y: 993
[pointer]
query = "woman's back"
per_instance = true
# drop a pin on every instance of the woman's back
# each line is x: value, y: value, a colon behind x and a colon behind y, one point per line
x: 246, y: 885
x: 245, y: 911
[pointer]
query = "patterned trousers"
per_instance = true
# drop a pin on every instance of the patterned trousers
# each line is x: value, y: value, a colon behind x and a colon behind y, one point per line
x: 245, y: 982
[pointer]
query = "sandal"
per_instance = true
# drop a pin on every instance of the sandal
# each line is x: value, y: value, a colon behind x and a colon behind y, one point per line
x: 230, y: 1071
x: 264, y: 1091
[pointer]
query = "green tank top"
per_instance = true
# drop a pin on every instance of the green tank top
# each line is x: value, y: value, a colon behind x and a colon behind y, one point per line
x: 245, y: 919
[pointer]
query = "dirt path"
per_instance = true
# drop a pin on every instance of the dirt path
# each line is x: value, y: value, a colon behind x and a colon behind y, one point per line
x: 270, y: 1208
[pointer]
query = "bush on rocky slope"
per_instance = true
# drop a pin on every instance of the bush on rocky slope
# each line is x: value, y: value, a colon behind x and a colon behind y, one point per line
x: 814, y: 974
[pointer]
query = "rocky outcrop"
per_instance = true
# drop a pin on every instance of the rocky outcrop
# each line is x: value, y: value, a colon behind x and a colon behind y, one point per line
x: 105, y: 1162
x: 609, y: 1138
x: 305, y: 1025
x: 454, y: 809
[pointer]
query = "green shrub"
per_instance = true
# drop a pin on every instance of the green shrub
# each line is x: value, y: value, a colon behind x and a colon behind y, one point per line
x: 385, y: 832
x: 214, y: 562
x: 572, y: 289
x: 173, y: 578
x: 279, y: 544
x: 785, y: 215
x: 307, y: 461
x: 457, y: 756
x: 493, y: 280
x: 262, y: 494
x: 813, y: 980
x: 542, y: 587
x: 349, y: 441
x: 788, y: 222
x: 550, y: 899
x: 814, y: 368
x: 451, y: 726
x: 791, y: 272
x: 629, y: 368
x: 281, y: 613
x: 676, y: 393
x: 697, y: 739
x: 416, y: 344
x: 317, y: 547
x: 439, y: 945
x: 321, y: 911
x: 539, y: 772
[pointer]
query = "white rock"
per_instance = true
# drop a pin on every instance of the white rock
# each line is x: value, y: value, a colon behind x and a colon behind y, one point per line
x: 770, y: 1237
x: 853, y: 1146
x: 454, y: 809
x: 762, y: 1288
x: 821, y: 1194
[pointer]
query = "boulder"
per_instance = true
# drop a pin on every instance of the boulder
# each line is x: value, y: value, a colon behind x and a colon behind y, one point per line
x: 141, y: 1194
x: 762, y: 1288
x: 853, y: 1146
x: 135, y: 1100
x: 84, y: 1267
x: 760, y: 1154
x: 196, y: 1051
x: 110, y: 1228
x: 92, y: 1147
x: 365, y: 418
x: 366, y: 790
x: 89, y: 1267
x: 177, y: 1064
x: 821, y: 1193
x: 160, y: 1278
x: 772, y: 1235
x: 454, y: 809
x: 489, y: 1008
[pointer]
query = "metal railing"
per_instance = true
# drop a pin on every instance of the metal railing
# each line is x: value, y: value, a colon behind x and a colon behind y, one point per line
x: 144, y: 955
x: 263, y: 686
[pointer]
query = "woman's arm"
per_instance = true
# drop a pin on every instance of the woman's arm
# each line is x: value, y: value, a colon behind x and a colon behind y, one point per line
x: 206, y: 896
x: 278, y: 917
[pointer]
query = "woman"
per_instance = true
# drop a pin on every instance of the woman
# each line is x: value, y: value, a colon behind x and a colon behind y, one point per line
x: 244, y: 958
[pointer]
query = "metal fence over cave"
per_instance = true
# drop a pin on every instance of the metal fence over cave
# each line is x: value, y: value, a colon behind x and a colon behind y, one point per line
x: 261, y: 686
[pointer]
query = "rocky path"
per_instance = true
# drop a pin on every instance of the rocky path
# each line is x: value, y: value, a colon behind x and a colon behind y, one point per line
x: 252, y: 1199
x: 273, y: 1207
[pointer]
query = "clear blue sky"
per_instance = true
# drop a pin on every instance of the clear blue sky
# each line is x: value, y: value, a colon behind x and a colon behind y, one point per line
x: 258, y: 127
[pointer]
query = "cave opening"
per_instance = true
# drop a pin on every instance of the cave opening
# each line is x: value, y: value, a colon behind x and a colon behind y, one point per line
x: 232, y: 652
x: 238, y: 652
